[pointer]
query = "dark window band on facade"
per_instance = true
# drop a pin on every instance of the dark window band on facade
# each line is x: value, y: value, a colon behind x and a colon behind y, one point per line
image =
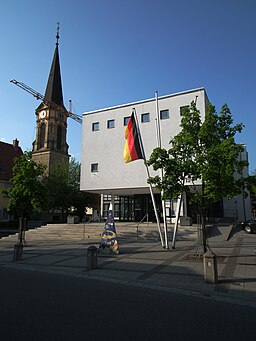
x: 145, y: 118
x: 126, y: 120
x: 164, y: 114
x: 94, y: 167
x: 41, y: 135
x: 110, y: 124
x: 59, y: 137
x: 95, y: 126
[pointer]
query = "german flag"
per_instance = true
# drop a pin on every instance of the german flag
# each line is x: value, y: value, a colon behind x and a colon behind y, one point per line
x: 132, y: 148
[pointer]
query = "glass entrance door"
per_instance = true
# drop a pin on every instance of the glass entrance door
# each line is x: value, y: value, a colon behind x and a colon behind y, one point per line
x: 126, y: 208
x: 143, y: 206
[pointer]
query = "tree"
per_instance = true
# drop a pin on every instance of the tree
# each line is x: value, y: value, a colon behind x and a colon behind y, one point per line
x: 203, y: 152
x: 83, y: 200
x: 27, y: 194
x: 63, y: 188
x: 59, y: 190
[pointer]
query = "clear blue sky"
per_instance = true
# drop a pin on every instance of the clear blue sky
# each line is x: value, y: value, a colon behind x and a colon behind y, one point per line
x: 119, y: 51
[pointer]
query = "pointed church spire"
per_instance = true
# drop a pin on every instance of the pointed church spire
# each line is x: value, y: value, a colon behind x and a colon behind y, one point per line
x: 53, y: 90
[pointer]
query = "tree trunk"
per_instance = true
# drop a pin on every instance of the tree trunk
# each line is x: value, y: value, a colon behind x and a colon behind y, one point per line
x: 22, y: 228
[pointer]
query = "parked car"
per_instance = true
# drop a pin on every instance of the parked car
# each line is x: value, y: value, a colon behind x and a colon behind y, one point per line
x: 249, y: 226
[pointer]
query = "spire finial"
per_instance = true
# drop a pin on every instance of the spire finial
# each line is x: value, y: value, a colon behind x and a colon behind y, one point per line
x: 57, y: 35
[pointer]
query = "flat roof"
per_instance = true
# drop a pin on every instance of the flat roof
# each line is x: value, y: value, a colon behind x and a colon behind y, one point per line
x: 144, y: 101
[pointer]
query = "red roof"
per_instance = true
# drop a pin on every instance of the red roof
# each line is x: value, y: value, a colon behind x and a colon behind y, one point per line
x: 8, y: 152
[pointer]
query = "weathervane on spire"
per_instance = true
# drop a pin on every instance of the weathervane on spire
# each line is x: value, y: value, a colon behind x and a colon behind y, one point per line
x: 57, y: 35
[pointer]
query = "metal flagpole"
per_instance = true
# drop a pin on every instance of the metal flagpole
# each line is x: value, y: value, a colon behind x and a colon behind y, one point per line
x: 176, y: 220
x: 161, y: 171
x: 150, y: 185
x: 155, y: 210
x: 177, y: 217
x: 158, y: 131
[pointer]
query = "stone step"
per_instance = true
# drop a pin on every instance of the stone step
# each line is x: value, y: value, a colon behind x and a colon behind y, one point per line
x: 85, y: 231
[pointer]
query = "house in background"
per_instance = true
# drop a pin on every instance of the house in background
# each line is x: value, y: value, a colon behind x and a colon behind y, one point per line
x: 8, y: 153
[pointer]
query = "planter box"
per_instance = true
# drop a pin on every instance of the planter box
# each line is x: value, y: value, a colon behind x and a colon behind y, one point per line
x: 185, y: 221
x: 73, y: 219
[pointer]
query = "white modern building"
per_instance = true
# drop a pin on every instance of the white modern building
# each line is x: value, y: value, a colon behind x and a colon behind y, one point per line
x: 103, y: 170
x: 240, y: 206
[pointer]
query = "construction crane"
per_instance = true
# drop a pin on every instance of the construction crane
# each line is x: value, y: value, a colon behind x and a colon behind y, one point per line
x: 38, y: 96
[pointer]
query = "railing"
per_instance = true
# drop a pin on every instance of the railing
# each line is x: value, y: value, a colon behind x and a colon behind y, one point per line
x: 89, y: 221
x: 137, y: 227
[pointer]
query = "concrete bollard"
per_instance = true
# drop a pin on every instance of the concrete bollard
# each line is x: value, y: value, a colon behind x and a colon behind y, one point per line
x: 210, y: 267
x: 17, y: 252
x: 92, y: 257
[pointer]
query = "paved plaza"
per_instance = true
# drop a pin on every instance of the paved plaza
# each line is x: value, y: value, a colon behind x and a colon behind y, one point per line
x: 143, y: 262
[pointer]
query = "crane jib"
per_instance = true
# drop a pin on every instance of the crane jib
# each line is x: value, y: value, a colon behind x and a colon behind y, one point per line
x: 38, y: 96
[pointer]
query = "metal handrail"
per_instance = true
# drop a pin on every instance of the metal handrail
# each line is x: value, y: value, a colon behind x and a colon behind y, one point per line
x: 86, y: 223
x: 137, y: 227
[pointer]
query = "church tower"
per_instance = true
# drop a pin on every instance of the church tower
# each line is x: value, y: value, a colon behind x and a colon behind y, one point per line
x: 50, y: 146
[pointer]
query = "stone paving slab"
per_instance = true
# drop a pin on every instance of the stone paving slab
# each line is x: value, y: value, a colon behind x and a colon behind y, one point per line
x: 146, y: 263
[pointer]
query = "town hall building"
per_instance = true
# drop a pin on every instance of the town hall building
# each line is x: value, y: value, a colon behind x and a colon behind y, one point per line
x: 125, y: 186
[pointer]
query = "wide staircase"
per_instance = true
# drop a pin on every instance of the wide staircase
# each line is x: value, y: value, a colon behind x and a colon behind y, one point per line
x: 133, y: 231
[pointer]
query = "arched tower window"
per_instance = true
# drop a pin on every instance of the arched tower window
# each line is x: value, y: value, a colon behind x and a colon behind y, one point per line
x: 41, y: 136
x: 59, y: 137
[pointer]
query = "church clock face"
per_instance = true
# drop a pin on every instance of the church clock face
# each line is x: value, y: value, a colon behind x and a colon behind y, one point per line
x: 42, y: 114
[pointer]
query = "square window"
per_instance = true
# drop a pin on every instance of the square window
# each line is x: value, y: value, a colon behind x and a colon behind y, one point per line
x: 106, y: 197
x: 95, y: 126
x: 111, y: 124
x: 164, y: 114
x: 94, y: 167
x: 183, y: 109
x: 126, y: 120
x: 145, y: 118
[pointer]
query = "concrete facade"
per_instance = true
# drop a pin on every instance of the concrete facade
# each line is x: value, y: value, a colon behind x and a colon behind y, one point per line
x: 103, y: 170
x: 113, y: 175
x: 240, y: 206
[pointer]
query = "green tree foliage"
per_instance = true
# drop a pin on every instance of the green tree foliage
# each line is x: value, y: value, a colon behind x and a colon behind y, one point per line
x: 63, y: 188
x: 58, y: 188
x: 27, y: 194
x: 203, y: 151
